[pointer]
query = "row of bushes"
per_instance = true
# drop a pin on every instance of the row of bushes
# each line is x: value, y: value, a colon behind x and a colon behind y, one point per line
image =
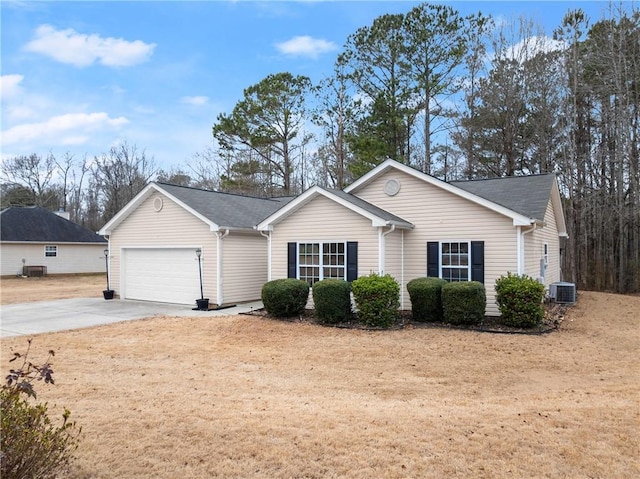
x: 519, y: 299
x: 432, y: 299
x: 376, y: 297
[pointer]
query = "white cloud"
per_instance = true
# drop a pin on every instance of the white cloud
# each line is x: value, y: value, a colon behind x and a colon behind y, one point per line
x: 80, y: 50
x: 306, y: 46
x: 531, y: 46
x: 195, y: 100
x: 61, y: 129
x: 10, y: 86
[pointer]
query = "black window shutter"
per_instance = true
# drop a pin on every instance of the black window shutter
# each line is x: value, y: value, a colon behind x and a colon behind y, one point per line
x: 352, y: 260
x: 292, y: 264
x: 433, y: 259
x: 477, y: 261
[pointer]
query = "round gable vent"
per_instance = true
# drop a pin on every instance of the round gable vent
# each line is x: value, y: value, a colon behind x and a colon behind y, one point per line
x: 157, y: 204
x: 392, y: 187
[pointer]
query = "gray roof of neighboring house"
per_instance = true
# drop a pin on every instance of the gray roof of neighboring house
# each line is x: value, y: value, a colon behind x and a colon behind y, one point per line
x: 226, y: 209
x: 527, y: 195
x: 36, y: 224
x: 379, y: 212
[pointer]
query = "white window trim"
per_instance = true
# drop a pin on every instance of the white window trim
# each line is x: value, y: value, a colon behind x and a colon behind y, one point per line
x: 54, y: 249
x: 545, y: 254
x: 321, y: 266
x: 440, y: 265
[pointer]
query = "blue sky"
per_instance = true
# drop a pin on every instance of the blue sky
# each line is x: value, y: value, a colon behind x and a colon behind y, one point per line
x: 79, y: 77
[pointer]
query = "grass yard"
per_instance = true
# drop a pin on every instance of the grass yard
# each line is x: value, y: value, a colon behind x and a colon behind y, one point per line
x: 46, y: 288
x: 248, y: 397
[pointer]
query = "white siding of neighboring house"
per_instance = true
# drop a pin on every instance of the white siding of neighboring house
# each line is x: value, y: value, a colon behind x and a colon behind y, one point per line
x: 534, y: 247
x: 439, y: 216
x: 244, y: 266
x: 172, y: 226
x: 71, y: 259
x: 324, y: 220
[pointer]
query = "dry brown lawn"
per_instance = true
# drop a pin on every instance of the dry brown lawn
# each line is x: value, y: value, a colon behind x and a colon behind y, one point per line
x: 45, y: 288
x: 248, y: 397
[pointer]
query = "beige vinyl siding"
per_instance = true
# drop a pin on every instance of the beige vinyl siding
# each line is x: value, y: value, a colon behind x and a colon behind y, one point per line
x: 393, y: 262
x: 534, y: 247
x: 442, y: 216
x: 324, y: 220
x: 244, y: 266
x: 172, y: 226
x: 71, y: 258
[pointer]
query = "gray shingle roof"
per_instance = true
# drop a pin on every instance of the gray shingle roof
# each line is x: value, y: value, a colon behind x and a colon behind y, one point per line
x: 379, y: 212
x: 226, y: 209
x: 527, y: 195
x: 33, y: 223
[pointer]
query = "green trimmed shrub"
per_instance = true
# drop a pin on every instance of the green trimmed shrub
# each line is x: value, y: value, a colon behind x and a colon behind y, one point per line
x: 520, y: 300
x: 426, y: 301
x: 332, y: 300
x: 463, y: 302
x: 285, y: 297
x: 378, y: 299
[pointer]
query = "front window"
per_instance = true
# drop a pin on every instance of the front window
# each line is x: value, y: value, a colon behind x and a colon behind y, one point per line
x: 454, y: 261
x: 318, y: 261
x: 50, y: 251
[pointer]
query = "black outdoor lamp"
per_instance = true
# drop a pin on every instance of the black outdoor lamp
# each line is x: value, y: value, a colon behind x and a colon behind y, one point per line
x: 203, y: 303
x: 107, y: 293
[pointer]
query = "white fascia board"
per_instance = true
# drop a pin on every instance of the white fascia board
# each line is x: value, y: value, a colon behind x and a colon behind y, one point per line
x: 371, y: 175
x: 139, y: 199
x: 268, y: 223
x: 518, y: 219
x: 213, y: 226
x: 556, y: 203
x: 120, y: 216
x: 235, y: 228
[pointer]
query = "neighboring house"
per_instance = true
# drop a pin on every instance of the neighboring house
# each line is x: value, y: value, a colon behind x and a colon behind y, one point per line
x: 400, y: 221
x: 393, y: 220
x: 154, y: 238
x: 36, y: 238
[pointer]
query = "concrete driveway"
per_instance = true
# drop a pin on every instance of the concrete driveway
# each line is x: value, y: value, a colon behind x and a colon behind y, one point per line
x: 65, y: 314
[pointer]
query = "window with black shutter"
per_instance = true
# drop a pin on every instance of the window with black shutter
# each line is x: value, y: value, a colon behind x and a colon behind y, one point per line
x: 456, y: 260
x: 313, y: 262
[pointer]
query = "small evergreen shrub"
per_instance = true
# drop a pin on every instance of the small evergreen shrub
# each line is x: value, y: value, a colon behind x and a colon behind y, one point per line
x: 285, y: 297
x: 332, y: 300
x: 426, y: 301
x: 520, y: 300
x: 463, y: 302
x: 32, y: 445
x: 378, y: 299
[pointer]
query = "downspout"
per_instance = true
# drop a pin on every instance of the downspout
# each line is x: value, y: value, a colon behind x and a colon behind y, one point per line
x: 522, y: 247
x: 268, y: 236
x: 219, y: 252
x: 381, y: 247
x: 402, y: 269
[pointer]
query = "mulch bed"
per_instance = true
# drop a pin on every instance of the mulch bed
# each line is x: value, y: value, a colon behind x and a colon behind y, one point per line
x: 554, y: 315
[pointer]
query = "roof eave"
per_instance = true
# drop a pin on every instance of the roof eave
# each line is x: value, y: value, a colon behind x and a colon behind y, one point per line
x: 146, y: 192
x: 376, y: 221
x: 518, y: 219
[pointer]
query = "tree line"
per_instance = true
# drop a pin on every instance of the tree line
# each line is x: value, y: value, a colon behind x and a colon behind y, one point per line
x: 454, y: 96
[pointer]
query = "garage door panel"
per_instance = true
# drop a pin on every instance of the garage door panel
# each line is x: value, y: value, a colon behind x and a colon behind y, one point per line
x: 168, y: 275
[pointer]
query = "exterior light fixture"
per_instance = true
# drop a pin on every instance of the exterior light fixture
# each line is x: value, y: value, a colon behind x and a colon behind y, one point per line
x: 107, y: 293
x: 203, y: 303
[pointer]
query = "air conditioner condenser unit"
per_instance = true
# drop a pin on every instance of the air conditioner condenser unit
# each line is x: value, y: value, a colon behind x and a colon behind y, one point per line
x: 562, y: 292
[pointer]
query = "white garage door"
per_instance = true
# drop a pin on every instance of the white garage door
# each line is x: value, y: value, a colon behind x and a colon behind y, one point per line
x: 166, y: 275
